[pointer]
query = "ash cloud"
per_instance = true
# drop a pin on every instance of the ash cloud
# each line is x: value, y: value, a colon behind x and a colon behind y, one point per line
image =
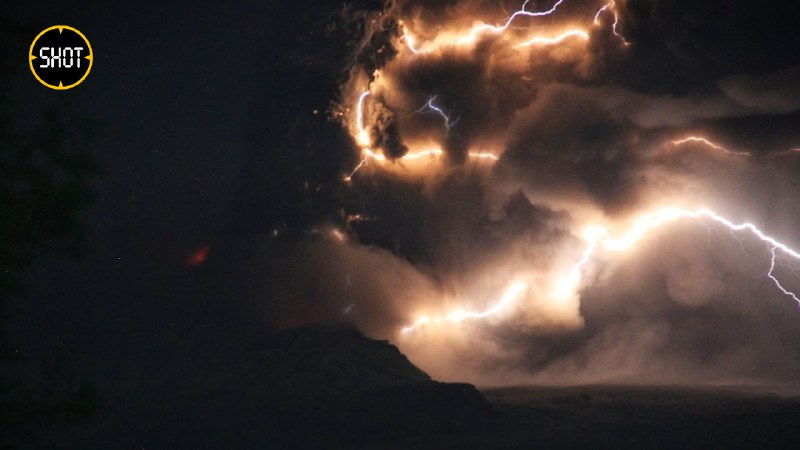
x: 584, y: 131
x: 385, y: 131
x: 776, y: 92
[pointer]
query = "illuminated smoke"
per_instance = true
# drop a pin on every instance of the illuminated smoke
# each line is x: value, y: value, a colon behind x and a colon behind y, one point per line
x: 361, y: 132
x: 472, y: 35
x: 487, y: 104
x: 598, y: 237
x: 539, y: 40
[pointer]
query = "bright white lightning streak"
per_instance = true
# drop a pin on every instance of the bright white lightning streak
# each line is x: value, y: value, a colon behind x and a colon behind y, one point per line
x: 601, y: 11
x: 538, y: 40
x: 363, y: 134
x: 459, y: 315
x: 702, y: 140
x: 364, y: 141
x: 521, y: 12
x: 597, y: 236
x: 477, y: 30
x: 432, y: 153
x: 483, y: 155
x: 370, y: 155
x: 775, y: 280
x: 566, y: 286
x: 364, y: 161
x: 409, y: 40
x: 650, y: 221
x: 610, y: 7
x: 431, y: 107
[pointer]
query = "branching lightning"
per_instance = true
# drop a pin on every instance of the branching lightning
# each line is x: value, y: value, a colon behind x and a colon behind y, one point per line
x: 596, y: 239
x: 610, y: 7
x: 430, y: 106
x: 472, y: 35
x: 368, y: 154
x: 775, y: 280
x: 469, y: 37
x: 521, y: 13
x: 599, y: 236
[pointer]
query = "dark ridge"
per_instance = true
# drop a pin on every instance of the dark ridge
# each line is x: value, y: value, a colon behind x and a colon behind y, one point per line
x: 321, y: 385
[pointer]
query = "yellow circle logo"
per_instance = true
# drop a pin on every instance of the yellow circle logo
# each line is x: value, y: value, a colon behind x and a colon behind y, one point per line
x: 61, y: 57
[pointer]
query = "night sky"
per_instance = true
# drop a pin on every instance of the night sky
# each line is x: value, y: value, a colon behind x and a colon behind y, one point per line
x: 191, y: 104
x: 223, y: 165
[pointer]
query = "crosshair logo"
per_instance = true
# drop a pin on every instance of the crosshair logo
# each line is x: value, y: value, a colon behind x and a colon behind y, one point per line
x: 61, y: 57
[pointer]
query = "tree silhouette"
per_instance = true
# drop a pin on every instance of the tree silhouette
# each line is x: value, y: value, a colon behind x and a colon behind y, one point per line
x: 45, y: 180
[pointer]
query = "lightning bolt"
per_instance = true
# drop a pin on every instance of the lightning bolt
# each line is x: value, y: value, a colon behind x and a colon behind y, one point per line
x: 521, y: 13
x: 435, y: 153
x: 364, y: 141
x: 471, y: 36
x: 363, y: 135
x: 599, y: 236
x: 429, y: 106
x: 538, y: 40
x: 459, y: 315
x: 775, y: 280
x: 409, y: 40
x: 719, y: 148
x: 610, y: 6
x: 596, y: 238
x: 704, y: 141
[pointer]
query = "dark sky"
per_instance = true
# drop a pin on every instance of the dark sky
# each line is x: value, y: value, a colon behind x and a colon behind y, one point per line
x: 209, y: 138
x: 193, y: 105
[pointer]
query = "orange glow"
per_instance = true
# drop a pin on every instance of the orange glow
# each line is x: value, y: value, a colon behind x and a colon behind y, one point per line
x: 459, y: 39
x: 412, y: 156
x: 511, y: 295
x: 362, y: 137
x: 453, y: 37
x: 199, y: 256
x: 540, y: 40
x: 337, y: 235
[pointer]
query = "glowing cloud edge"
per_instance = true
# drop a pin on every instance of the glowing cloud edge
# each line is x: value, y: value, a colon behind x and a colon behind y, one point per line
x: 599, y: 236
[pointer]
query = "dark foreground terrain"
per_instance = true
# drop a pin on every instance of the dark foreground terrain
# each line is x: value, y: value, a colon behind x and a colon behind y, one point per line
x: 331, y: 387
x: 668, y: 417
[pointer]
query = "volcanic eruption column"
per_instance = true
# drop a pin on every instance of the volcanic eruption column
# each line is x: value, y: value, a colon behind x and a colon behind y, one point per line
x: 596, y: 238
